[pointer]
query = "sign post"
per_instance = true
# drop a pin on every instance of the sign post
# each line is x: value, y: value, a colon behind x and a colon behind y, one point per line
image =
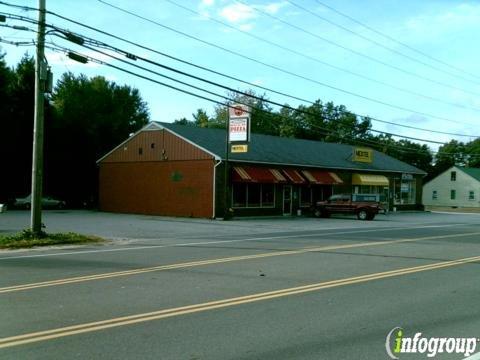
x: 237, y: 138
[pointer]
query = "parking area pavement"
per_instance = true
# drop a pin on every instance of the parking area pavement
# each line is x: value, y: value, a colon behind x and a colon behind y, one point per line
x: 263, y: 288
x: 131, y: 227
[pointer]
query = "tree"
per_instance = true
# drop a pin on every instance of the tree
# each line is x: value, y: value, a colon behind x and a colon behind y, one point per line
x: 450, y: 154
x: 90, y: 117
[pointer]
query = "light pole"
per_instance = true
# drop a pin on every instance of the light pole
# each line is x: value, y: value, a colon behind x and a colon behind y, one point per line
x: 37, y: 155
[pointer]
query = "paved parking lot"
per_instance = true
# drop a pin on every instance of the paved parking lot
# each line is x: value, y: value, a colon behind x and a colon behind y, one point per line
x: 280, y: 288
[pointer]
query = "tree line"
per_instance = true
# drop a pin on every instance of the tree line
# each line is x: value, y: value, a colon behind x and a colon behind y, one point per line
x: 87, y: 117
x: 334, y: 123
x: 84, y: 119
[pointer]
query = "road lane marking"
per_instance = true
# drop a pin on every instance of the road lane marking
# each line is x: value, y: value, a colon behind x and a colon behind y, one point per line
x: 165, y: 313
x: 224, y: 241
x: 101, y: 276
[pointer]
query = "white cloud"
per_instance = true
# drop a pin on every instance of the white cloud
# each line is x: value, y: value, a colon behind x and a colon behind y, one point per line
x: 272, y: 8
x: 237, y: 13
x: 456, y: 18
x: 246, y: 27
x: 207, y: 2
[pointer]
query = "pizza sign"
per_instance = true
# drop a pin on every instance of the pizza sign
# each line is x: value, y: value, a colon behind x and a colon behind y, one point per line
x: 239, y: 123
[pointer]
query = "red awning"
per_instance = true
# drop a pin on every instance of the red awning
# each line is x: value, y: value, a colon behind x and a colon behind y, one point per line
x: 322, y: 177
x: 257, y: 174
x: 294, y: 176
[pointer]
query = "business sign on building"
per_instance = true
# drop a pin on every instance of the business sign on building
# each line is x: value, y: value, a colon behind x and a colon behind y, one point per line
x: 239, y: 148
x: 239, y: 123
x: 362, y: 155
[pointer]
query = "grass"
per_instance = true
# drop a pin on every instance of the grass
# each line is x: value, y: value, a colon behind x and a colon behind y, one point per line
x: 27, y: 239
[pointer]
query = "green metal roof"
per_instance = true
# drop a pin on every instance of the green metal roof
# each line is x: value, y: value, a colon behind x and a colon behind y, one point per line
x: 289, y: 151
x: 473, y: 172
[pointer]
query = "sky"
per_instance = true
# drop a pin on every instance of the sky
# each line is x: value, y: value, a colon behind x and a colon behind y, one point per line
x: 428, y: 77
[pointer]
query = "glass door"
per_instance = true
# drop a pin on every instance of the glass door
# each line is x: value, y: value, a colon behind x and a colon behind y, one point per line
x: 287, y: 200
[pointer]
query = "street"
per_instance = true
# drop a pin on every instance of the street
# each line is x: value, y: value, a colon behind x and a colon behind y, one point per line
x: 279, y: 288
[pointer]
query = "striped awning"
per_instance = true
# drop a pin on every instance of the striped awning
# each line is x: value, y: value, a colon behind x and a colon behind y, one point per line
x: 257, y: 174
x: 294, y: 176
x: 366, y: 179
x: 322, y: 177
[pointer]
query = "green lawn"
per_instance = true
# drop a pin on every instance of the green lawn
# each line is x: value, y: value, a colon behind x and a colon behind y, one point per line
x: 26, y: 239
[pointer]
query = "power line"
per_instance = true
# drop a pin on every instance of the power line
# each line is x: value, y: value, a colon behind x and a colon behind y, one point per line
x: 357, y: 53
x: 327, y: 131
x: 315, y: 59
x: 129, y: 55
x: 233, y: 78
x: 399, y: 53
x: 243, y: 81
x: 395, y: 40
x: 288, y: 72
x: 233, y: 100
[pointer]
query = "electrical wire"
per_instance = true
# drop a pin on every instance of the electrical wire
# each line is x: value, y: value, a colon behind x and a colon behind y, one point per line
x: 315, y: 59
x: 365, y: 38
x: 232, y: 77
x: 288, y: 72
x: 130, y: 55
x: 388, y: 37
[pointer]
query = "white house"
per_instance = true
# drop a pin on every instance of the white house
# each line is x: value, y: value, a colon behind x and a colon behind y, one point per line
x: 457, y: 187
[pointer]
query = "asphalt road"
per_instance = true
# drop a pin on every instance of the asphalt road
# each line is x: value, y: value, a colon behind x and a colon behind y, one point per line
x: 293, y: 288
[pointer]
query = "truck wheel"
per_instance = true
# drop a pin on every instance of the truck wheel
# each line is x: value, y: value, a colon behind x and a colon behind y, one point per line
x: 325, y: 214
x: 371, y: 216
x: 363, y: 215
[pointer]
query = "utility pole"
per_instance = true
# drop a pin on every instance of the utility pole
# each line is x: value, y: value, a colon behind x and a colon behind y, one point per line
x: 37, y: 156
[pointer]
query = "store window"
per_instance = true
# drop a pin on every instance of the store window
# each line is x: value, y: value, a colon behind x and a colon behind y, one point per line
x: 268, y: 195
x: 471, y: 195
x: 305, y: 197
x: 405, y: 191
x: 453, y: 176
x: 434, y: 195
x: 453, y: 194
x: 253, y: 195
x: 239, y: 195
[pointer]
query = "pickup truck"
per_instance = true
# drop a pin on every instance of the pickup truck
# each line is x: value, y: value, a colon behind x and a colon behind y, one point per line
x: 343, y: 204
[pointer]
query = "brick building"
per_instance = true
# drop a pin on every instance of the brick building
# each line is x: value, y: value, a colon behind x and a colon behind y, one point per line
x: 179, y: 170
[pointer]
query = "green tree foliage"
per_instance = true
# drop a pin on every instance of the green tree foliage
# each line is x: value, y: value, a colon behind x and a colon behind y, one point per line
x: 84, y: 119
x: 452, y: 153
x: 16, y: 104
x: 90, y: 117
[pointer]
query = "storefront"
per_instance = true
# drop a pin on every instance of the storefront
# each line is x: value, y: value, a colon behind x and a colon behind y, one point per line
x: 169, y: 169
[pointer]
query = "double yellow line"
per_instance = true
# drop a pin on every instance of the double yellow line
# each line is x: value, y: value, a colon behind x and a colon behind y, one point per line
x: 78, y: 279
x: 162, y: 314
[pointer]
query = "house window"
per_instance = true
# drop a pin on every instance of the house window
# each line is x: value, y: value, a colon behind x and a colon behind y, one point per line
x: 253, y: 195
x: 453, y: 194
x: 471, y: 195
x: 434, y: 195
x: 453, y: 176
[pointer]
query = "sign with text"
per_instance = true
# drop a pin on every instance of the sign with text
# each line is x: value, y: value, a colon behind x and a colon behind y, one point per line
x: 363, y: 155
x: 239, y: 148
x: 239, y: 123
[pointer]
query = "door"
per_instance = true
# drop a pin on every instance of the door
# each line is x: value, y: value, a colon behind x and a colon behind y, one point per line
x: 287, y: 200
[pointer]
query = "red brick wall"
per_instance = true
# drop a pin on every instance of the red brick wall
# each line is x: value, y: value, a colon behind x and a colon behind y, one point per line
x: 173, y: 188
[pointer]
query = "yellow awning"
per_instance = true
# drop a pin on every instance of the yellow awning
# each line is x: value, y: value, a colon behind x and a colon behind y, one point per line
x: 363, y: 179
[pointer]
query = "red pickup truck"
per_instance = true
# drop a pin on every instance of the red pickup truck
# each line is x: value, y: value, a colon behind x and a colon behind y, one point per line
x: 343, y: 204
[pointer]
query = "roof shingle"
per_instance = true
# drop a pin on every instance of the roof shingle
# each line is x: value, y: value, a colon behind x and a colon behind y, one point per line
x: 289, y: 151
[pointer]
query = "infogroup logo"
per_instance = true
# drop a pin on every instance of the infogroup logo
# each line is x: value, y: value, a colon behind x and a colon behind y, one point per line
x: 397, y: 343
